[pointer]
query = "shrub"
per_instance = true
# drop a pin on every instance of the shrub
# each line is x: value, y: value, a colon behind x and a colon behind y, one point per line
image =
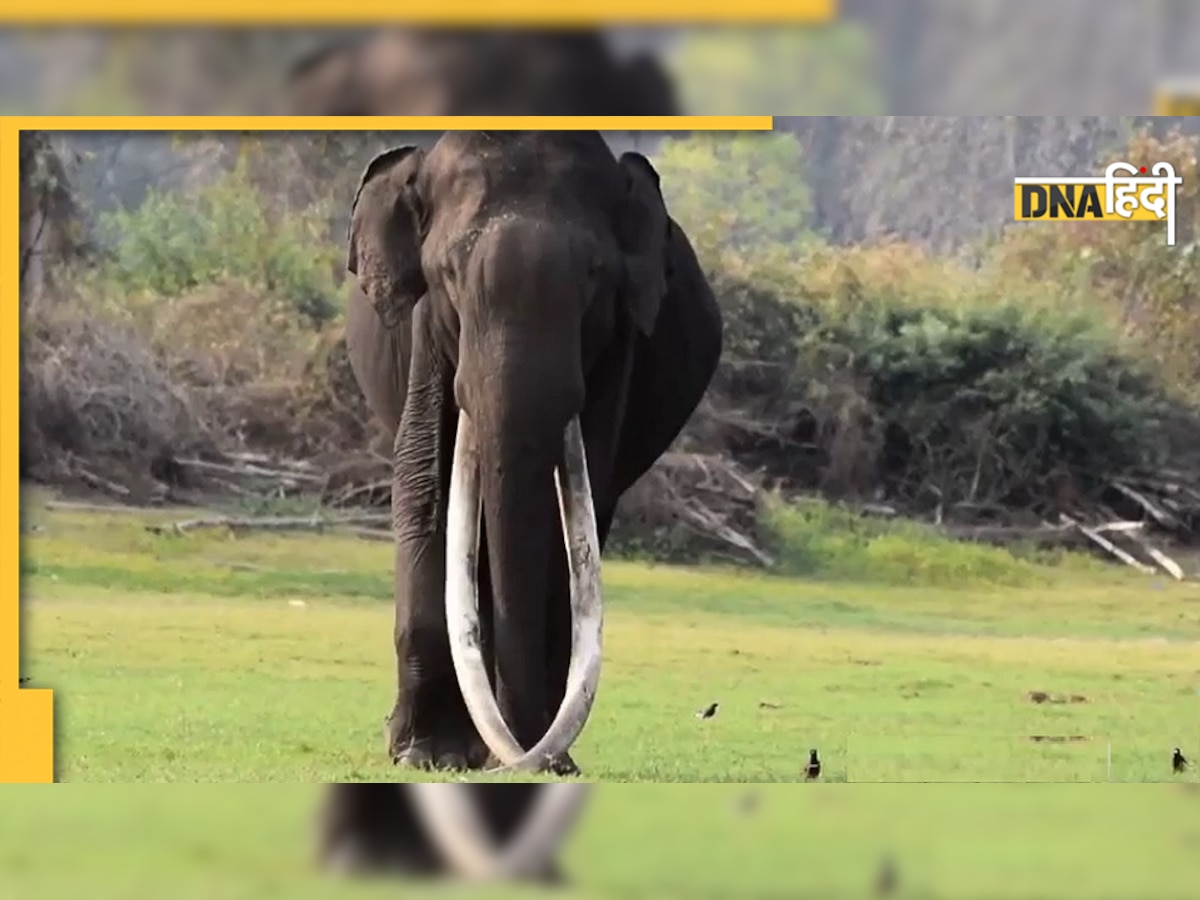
x: 879, y: 371
x: 816, y: 539
x: 92, y: 391
x: 1127, y: 275
x: 228, y: 229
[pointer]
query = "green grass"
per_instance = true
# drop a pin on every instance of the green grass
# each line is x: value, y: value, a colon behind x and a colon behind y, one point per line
x: 131, y: 842
x: 190, y: 659
x: 215, y: 658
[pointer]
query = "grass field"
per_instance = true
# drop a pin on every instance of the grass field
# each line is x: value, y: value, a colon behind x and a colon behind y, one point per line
x: 189, y: 658
x: 250, y: 842
x: 211, y: 658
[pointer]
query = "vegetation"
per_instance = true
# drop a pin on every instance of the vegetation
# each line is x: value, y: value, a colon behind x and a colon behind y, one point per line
x: 1064, y: 357
x: 890, y: 342
x: 181, y: 659
x: 226, y: 841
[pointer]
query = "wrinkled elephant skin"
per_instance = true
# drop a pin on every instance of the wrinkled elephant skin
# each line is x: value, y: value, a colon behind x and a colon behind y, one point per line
x: 517, y: 288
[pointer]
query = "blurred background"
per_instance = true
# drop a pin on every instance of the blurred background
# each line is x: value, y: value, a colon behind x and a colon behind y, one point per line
x: 901, y: 57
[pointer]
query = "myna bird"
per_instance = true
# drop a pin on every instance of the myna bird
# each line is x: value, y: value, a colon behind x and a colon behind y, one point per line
x: 708, y: 712
x: 885, y: 880
x: 813, y: 770
x: 1178, y: 761
x: 747, y: 803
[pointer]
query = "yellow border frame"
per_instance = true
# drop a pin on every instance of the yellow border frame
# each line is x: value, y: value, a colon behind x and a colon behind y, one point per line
x: 29, y: 714
x: 1176, y: 97
x: 440, y: 12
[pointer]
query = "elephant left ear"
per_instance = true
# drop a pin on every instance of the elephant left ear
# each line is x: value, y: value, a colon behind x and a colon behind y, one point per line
x: 644, y: 235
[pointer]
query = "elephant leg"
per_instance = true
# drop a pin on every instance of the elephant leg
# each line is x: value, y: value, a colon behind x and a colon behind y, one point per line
x: 371, y: 829
x: 429, y: 725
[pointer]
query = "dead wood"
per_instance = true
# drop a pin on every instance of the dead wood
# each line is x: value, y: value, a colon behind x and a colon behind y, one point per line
x: 314, y: 522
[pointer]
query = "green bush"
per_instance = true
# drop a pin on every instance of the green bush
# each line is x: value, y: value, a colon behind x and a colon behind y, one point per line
x: 817, y: 540
x: 988, y: 404
x: 176, y: 242
x: 867, y: 372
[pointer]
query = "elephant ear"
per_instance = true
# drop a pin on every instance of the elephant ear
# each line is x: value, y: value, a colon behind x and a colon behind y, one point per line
x: 649, y: 89
x: 643, y: 233
x: 385, y: 234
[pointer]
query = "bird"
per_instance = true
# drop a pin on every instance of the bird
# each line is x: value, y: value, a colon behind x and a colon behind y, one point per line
x: 747, y: 803
x: 885, y: 880
x: 708, y: 712
x: 24, y: 679
x: 1179, y: 761
x: 813, y: 770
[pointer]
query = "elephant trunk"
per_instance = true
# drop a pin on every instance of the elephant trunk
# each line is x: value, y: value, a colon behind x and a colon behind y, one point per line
x: 451, y: 817
x: 517, y: 547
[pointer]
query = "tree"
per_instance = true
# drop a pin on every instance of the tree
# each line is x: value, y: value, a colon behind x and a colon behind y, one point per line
x: 801, y: 71
x: 737, y: 191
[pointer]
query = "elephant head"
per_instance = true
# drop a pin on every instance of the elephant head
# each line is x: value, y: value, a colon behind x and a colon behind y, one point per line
x: 542, y: 256
x: 404, y: 71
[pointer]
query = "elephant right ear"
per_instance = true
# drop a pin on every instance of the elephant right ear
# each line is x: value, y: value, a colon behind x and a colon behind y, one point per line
x: 385, y: 234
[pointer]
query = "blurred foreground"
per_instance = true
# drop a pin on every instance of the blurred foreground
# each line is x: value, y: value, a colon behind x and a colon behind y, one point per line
x: 979, y: 841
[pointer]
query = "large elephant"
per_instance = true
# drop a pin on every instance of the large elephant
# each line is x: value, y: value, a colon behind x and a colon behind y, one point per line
x: 526, y: 304
x: 407, y: 72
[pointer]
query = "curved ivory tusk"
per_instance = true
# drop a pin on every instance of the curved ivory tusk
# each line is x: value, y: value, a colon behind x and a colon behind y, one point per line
x: 452, y: 819
x: 462, y: 601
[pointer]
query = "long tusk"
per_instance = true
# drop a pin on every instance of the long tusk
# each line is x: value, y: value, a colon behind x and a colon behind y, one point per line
x: 462, y: 602
x: 452, y: 819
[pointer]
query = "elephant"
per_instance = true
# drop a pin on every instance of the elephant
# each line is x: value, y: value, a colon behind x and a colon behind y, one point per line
x: 386, y: 828
x: 535, y: 330
x: 407, y: 72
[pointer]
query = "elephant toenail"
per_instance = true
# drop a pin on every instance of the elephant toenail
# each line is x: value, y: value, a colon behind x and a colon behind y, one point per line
x: 454, y: 762
x: 414, y: 757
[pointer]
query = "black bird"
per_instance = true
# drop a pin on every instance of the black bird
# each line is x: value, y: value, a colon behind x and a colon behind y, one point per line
x: 813, y: 770
x: 885, y: 881
x: 23, y: 680
x: 1178, y: 761
x: 747, y: 803
x: 708, y: 712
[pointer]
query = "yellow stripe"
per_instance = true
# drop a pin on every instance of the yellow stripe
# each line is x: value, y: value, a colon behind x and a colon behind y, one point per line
x: 391, y: 123
x: 26, y: 717
x: 459, y: 12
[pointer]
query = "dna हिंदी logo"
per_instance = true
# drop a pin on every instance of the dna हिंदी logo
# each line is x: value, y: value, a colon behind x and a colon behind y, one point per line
x: 1125, y: 193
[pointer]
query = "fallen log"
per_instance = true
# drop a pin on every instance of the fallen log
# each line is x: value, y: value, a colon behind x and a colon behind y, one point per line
x: 1163, y: 518
x: 293, y: 523
x: 254, y: 471
x: 1108, y: 546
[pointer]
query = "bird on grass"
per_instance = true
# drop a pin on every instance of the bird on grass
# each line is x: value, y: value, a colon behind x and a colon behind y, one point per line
x: 1179, y: 761
x: 708, y: 712
x: 747, y: 803
x: 813, y: 770
x: 885, y: 880
x: 24, y: 679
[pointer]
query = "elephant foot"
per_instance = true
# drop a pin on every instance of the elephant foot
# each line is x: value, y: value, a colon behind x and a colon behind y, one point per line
x: 453, y: 751
x: 562, y: 766
x: 363, y: 830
